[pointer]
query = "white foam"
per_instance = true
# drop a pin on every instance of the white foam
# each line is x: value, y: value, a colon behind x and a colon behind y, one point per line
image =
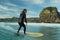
x: 45, y: 24
x: 36, y: 24
x: 8, y: 28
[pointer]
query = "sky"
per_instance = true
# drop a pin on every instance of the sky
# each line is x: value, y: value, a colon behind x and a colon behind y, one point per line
x: 13, y: 8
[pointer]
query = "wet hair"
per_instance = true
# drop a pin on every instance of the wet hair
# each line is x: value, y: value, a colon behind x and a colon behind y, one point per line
x: 24, y: 10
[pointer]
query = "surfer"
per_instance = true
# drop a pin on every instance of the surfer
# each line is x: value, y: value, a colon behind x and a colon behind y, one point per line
x: 22, y: 21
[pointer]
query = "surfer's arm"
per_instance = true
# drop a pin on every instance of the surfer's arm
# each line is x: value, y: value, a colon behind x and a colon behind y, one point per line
x: 20, y: 18
x: 25, y: 19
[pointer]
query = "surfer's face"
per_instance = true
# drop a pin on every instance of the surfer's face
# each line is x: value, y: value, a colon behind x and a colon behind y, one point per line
x: 25, y: 11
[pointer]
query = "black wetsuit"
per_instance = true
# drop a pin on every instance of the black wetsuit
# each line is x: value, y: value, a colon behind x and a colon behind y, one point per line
x: 21, y: 21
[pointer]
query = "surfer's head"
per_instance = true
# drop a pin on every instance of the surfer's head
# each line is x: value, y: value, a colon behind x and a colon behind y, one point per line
x: 24, y: 11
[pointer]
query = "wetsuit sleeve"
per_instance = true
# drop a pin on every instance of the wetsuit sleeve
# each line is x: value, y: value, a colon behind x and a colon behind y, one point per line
x: 20, y: 18
x: 25, y: 19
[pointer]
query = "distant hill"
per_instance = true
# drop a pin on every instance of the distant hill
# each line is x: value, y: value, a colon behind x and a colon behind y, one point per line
x: 49, y: 15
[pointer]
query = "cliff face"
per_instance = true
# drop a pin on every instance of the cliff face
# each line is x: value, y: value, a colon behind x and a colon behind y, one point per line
x: 49, y: 15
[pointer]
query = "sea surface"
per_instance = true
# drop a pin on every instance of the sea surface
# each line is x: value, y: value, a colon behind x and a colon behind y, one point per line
x: 51, y: 31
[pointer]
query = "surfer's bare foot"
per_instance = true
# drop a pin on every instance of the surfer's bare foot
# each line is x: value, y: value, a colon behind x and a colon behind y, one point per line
x: 17, y: 32
x: 24, y: 33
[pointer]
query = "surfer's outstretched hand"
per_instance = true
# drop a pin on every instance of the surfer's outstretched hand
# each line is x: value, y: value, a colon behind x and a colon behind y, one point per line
x: 25, y: 23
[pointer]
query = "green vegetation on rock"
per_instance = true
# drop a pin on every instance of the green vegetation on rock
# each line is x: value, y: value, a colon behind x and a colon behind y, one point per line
x: 49, y: 15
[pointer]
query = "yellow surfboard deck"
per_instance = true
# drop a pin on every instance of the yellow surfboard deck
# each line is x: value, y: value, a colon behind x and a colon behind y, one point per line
x: 34, y: 34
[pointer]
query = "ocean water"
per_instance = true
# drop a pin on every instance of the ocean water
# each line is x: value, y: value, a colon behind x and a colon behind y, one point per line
x: 51, y: 31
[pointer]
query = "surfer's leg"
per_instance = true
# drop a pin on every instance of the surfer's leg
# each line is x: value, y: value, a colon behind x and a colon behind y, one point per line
x: 24, y: 29
x: 19, y: 27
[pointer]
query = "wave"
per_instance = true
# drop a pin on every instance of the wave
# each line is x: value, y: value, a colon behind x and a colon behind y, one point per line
x: 34, y: 24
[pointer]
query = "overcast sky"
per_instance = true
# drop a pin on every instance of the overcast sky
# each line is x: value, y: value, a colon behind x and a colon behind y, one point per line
x: 13, y: 8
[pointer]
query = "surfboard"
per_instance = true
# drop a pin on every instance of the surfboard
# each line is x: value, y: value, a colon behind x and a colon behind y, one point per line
x: 32, y: 34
